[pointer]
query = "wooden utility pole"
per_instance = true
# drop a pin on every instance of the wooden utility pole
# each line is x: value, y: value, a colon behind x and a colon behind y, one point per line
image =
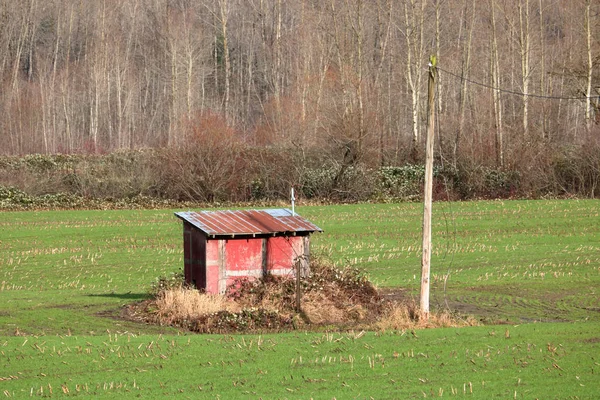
x: 426, y: 262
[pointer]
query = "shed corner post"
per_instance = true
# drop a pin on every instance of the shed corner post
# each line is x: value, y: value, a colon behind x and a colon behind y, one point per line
x: 305, y: 269
x: 222, y: 281
x: 265, y: 257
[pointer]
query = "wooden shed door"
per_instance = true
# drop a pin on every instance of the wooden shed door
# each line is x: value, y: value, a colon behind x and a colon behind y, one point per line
x: 198, y: 260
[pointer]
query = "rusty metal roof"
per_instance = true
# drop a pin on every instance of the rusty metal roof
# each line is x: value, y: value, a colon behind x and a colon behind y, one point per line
x: 248, y: 222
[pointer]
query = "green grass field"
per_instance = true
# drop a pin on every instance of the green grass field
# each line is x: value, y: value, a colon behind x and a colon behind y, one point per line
x: 65, y: 274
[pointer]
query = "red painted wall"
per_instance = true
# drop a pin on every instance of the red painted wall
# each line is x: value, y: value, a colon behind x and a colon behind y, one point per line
x: 215, y: 264
x: 281, y: 253
x: 243, y: 254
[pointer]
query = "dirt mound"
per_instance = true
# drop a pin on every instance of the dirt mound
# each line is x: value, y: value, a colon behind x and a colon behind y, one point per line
x: 330, y: 298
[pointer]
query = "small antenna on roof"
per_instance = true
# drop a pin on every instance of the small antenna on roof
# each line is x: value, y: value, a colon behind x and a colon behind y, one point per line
x: 293, y: 197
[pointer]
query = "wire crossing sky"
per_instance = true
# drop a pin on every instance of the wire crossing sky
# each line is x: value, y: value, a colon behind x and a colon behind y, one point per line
x: 513, y: 92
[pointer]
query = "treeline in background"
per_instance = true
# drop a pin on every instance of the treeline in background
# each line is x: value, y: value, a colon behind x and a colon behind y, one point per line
x: 237, y: 100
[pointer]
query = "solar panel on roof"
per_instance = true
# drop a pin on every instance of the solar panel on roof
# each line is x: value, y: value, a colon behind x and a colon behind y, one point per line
x: 279, y: 212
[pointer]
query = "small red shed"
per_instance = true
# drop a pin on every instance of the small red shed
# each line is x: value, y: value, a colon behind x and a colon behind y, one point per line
x: 222, y: 246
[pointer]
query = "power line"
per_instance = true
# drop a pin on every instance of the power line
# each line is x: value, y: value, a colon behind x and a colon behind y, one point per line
x: 513, y: 92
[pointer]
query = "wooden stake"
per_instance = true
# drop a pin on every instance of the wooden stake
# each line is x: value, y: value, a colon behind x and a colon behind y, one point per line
x: 298, y: 287
x: 427, y: 206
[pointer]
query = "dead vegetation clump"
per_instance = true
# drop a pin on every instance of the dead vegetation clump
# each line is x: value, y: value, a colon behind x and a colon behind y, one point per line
x: 174, y: 306
x: 331, y: 298
x: 407, y: 315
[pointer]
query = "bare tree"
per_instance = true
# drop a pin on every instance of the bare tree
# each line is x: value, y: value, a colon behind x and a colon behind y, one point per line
x: 414, y: 16
x: 495, y: 74
x: 524, y: 47
x: 469, y: 22
x: 590, y: 65
x: 223, y: 19
x: 346, y: 76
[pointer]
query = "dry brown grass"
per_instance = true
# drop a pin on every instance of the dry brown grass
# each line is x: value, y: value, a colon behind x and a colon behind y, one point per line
x: 407, y: 315
x: 183, y: 304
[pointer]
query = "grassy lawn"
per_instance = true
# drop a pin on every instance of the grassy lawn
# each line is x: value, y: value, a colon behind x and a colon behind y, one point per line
x: 535, y: 361
x: 65, y: 274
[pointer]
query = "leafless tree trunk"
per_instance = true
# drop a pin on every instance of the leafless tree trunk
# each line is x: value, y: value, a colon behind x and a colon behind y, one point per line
x: 438, y: 39
x: 590, y: 66
x: 414, y: 14
x: 524, y: 47
x: 466, y: 63
x: 224, y: 15
x: 495, y: 69
x: 542, y: 67
x: 358, y: 29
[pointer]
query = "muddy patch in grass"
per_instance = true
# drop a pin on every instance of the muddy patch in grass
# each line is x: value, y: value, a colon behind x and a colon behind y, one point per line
x: 503, y: 304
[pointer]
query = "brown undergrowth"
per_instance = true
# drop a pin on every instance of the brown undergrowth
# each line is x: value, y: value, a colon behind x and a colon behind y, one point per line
x: 332, y: 298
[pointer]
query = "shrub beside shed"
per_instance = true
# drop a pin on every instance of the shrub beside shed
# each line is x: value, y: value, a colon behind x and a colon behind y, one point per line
x: 223, y: 246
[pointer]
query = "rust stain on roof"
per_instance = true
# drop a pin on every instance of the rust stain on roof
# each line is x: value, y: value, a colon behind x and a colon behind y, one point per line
x: 248, y: 222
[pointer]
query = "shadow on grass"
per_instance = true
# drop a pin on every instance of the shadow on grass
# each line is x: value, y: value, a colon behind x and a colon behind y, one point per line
x: 123, y: 296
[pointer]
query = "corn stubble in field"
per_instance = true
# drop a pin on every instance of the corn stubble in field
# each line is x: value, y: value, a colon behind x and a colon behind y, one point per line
x: 331, y: 298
